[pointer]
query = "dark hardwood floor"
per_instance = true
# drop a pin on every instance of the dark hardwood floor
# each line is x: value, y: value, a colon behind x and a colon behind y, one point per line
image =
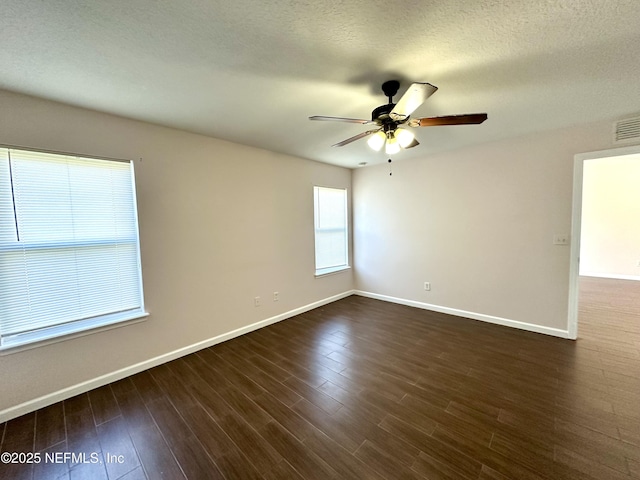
x: 363, y: 389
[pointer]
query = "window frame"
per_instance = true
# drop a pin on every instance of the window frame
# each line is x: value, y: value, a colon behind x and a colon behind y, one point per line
x: 72, y: 328
x: 320, y: 272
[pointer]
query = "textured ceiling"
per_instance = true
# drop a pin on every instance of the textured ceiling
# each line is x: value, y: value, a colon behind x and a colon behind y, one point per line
x: 251, y: 71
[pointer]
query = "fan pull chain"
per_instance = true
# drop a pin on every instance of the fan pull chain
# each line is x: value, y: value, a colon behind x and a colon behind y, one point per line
x: 390, y: 172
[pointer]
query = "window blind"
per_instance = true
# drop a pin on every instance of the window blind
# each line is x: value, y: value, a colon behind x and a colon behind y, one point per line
x: 331, y: 235
x: 69, y: 249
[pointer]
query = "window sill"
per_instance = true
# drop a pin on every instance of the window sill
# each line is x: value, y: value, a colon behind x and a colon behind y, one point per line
x: 323, y: 272
x: 35, y: 340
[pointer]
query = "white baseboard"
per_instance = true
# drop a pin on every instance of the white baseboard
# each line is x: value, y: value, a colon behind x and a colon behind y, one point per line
x: 611, y: 275
x: 51, y: 398
x: 475, y: 316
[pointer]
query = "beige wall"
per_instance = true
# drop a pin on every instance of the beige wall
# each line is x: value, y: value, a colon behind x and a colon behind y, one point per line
x: 610, y: 240
x: 476, y: 223
x: 220, y: 223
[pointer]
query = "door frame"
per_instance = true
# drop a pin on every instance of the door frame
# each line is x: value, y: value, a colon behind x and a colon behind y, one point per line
x: 576, y: 226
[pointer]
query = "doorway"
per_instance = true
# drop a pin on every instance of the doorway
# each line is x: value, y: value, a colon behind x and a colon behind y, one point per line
x: 616, y: 263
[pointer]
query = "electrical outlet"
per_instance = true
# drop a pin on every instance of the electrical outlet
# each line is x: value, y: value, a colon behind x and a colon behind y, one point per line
x: 561, y: 239
x: 427, y: 286
x: 256, y: 301
x: 276, y: 296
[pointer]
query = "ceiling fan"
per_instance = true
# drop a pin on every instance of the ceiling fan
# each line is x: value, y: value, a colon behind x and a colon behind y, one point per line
x: 390, y: 117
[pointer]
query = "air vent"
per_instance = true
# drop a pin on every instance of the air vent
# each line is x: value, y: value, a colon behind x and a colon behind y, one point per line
x: 627, y: 131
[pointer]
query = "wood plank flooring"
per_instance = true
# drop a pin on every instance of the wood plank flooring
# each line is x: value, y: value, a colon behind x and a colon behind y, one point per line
x: 362, y: 389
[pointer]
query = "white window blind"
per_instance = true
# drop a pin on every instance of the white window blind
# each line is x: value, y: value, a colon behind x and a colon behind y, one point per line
x: 331, y: 235
x: 69, y: 249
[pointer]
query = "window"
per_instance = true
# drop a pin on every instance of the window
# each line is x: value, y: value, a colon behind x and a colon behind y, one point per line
x: 330, y: 218
x: 69, y: 249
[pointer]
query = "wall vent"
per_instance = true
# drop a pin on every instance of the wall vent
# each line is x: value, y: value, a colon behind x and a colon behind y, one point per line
x: 627, y: 131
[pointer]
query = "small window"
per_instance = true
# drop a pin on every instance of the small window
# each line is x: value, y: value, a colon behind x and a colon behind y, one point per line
x: 69, y: 248
x: 331, y: 234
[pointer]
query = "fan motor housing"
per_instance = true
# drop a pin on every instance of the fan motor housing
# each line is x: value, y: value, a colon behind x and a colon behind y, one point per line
x: 381, y: 114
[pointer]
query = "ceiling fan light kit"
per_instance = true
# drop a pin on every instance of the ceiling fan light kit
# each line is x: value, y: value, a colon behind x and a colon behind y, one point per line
x: 392, y: 146
x: 391, y: 116
x: 377, y: 141
x: 404, y: 136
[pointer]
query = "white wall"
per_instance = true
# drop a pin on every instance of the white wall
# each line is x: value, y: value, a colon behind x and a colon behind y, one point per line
x: 220, y: 223
x: 478, y: 224
x: 610, y: 240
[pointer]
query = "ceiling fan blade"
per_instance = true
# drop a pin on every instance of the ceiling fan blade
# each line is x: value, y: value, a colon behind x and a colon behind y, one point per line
x: 341, y: 119
x: 466, y: 119
x: 356, y: 137
x: 413, y: 98
x: 414, y: 143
